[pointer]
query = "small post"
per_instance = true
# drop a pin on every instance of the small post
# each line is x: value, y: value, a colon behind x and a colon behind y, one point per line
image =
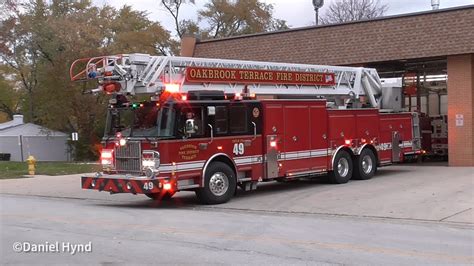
x: 317, y: 16
x: 317, y: 5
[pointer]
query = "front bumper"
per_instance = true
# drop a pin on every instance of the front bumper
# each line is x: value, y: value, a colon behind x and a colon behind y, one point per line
x: 132, y: 185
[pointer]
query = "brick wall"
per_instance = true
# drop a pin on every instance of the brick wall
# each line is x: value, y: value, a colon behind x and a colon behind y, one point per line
x: 461, y: 102
x: 412, y: 36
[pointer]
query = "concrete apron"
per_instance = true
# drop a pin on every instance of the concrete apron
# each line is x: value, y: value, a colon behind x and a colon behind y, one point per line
x: 431, y: 193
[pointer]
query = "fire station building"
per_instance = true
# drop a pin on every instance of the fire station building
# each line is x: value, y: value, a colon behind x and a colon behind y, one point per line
x: 433, y: 51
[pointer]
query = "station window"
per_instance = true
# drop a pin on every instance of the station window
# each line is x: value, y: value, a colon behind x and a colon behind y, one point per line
x: 238, y: 119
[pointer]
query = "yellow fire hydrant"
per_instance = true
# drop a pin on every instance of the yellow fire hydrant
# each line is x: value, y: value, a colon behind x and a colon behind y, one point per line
x: 31, y: 165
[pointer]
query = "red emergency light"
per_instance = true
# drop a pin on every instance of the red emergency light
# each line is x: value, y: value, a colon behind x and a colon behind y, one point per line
x: 111, y: 87
x: 172, y: 87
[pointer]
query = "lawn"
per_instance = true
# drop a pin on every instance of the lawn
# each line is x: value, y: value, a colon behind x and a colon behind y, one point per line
x: 19, y: 169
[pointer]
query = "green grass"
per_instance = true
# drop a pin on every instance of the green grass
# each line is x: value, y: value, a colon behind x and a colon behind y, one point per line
x: 19, y: 169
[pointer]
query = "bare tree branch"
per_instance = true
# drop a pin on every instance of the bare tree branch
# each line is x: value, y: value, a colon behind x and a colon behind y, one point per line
x: 173, y: 8
x: 349, y: 10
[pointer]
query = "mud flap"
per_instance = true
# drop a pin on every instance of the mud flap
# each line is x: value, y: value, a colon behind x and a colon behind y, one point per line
x: 396, y: 150
x: 271, y: 158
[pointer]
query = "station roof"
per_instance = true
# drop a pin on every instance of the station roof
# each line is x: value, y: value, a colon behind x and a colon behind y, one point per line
x: 430, y: 34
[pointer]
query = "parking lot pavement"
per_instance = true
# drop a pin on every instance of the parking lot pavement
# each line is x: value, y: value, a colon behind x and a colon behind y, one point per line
x: 141, y: 232
x: 432, y: 193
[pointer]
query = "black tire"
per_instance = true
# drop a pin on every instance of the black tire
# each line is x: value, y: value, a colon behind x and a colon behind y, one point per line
x: 339, y: 175
x: 160, y: 196
x: 365, y: 165
x: 223, y: 186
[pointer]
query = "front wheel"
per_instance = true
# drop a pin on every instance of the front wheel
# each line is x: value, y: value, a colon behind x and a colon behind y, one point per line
x: 365, y: 165
x: 219, y: 184
x: 341, y: 169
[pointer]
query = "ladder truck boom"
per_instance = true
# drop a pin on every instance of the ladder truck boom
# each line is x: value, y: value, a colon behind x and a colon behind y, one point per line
x: 136, y: 73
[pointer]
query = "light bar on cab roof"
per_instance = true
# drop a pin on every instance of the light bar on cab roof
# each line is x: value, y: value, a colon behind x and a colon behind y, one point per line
x: 172, y: 87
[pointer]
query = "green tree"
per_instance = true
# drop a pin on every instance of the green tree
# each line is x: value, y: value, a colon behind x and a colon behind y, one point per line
x: 224, y: 18
x: 39, y: 44
x: 10, y: 100
x: 229, y: 18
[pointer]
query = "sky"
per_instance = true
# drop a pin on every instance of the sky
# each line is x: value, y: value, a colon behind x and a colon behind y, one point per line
x: 297, y: 13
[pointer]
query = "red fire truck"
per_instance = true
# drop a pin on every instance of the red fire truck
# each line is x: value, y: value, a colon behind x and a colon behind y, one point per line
x: 212, y: 125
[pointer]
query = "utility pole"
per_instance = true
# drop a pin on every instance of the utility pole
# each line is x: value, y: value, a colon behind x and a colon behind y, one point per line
x: 317, y: 5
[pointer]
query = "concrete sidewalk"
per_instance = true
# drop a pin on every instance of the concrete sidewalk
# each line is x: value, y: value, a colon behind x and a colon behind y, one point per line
x: 434, y: 193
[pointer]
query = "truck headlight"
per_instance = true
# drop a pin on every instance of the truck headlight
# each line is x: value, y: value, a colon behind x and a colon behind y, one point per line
x: 150, y: 162
x: 107, y: 157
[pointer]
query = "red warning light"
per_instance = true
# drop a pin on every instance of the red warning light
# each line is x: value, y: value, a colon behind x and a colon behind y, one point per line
x: 112, y: 87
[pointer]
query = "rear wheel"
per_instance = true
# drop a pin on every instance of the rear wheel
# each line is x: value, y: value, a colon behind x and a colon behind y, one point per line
x: 219, y: 184
x: 342, y: 168
x: 365, y: 165
x: 160, y: 196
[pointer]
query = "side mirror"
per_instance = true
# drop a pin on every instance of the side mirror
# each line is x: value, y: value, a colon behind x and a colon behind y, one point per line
x: 190, y: 127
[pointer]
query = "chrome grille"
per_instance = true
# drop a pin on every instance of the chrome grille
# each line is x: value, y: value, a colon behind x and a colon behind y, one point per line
x: 128, y: 158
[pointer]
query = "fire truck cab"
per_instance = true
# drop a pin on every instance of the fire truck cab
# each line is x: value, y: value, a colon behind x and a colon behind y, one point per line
x: 213, y: 141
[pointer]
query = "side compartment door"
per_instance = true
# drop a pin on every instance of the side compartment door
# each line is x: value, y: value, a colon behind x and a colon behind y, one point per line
x: 297, y: 153
x: 319, y: 137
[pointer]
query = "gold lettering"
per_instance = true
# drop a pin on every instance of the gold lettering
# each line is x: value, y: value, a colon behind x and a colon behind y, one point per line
x: 319, y: 78
x: 192, y: 73
x: 241, y: 74
x: 278, y: 76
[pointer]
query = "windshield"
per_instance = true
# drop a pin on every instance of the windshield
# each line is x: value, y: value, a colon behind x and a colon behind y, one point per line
x: 166, y: 118
x: 140, y: 122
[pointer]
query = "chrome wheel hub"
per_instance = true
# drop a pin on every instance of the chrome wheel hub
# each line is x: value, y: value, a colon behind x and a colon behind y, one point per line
x: 342, y: 167
x: 367, y: 164
x: 218, y: 184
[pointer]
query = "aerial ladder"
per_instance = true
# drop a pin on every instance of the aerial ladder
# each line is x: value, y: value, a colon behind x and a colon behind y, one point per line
x: 131, y: 74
